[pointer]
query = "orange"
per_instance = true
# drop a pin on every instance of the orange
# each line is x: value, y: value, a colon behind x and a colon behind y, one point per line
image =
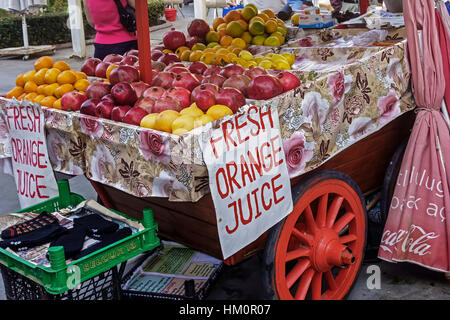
x: 269, y: 13
x: 235, y: 29
x: 195, y: 55
x: 49, y: 90
x: 198, y: 46
x: 82, y: 84
x: 236, y: 50
x: 222, y: 26
x: 222, y: 32
x: 253, y: 6
x: 211, y: 45
x: 256, y: 28
x: 57, y: 104
x: 14, y: 92
x: 180, y: 50
x: 52, y: 75
x: 222, y: 51
x: 40, y: 89
x: 212, y: 36
x: 272, y: 41
x: 279, y: 36
x: 208, y: 58
x: 222, y: 60
x: 225, y: 41
x: 271, y: 26
x: 48, y: 101
x: 247, y: 37
x: 264, y: 16
x: 19, y: 80
x: 244, y: 24
x: 239, y: 43
x: 185, y: 55
x: 256, y: 19
x: 39, y: 98
x: 217, y: 22
x: 39, y: 77
x: 66, y: 77
x: 30, y: 86
x: 28, y: 76
x: 248, y: 13
x: 110, y: 68
x: 61, y: 65
x: 282, y: 30
x: 166, y: 51
x: 30, y: 96
x: 63, y: 89
x: 22, y: 96
x: 80, y: 75
x: 43, y: 62
x: 232, y: 16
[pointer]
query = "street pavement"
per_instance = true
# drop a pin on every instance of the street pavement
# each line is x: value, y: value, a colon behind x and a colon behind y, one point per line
x: 377, y: 280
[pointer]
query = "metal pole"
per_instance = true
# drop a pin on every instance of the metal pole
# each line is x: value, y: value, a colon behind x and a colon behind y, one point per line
x: 77, y: 28
x: 200, y: 9
x: 25, y: 31
x: 143, y: 37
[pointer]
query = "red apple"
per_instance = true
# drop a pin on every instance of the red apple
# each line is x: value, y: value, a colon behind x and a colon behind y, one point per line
x: 118, y: 112
x: 163, y: 79
x: 108, y: 97
x: 145, y: 103
x: 166, y: 103
x: 98, y: 89
x: 134, y: 116
x: 288, y: 80
x: 185, y: 80
x: 72, y: 101
x: 89, y: 66
x: 100, y: 70
x: 231, y: 97
x: 124, y: 94
x: 90, y: 107
x: 182, y: 95
x: 203, y: 97
x: 154, y: 92
x: 231, y: 69
x: 112, y: 58
x: 140, y: 87
x: 124, y: 74
x: 104, y: 109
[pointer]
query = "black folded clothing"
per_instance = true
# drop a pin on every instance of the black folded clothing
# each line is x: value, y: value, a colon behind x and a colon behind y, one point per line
x: 96, y: 225
x: 106, y: 240
x: 72, y: 240
x: 28, y: 226
x: 34, y: 238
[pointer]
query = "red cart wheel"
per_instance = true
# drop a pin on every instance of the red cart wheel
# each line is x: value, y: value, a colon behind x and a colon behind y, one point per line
x: 316, y: 252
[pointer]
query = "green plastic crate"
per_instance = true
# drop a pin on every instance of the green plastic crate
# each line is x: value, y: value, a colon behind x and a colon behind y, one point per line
x: 60, y: 277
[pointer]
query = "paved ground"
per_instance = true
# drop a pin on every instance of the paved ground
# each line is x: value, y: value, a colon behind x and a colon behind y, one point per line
x: 397, y: 281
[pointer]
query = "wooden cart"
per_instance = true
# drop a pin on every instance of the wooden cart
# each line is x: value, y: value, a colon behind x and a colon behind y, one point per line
x: 321, y: 242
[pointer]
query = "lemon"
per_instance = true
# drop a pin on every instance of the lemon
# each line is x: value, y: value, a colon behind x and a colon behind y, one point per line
x: 272, y: 41
x: 149, y: 121
x: 258, y: 40
x: 246, y: 55
x: 251, y: 63
x: 180, y: 131
x: 218, y: 111
x: 183, y: 122
x: 281, y: 65
x: 164, y: 120
x: 192, y: 111
x: 289, y: 57
x: 266, y: 64
x: 202, y: 120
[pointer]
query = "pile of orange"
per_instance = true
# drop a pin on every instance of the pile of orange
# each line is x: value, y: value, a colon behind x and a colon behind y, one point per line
x: 48, y: 82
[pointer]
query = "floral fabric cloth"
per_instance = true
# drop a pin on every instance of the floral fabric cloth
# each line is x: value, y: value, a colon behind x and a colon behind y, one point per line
x: 346, y: 94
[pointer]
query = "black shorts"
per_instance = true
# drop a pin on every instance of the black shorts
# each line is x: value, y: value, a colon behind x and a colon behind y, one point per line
x: 102, y: 50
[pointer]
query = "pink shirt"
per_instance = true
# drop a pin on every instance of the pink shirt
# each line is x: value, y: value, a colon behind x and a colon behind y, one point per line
x: 107, y: 22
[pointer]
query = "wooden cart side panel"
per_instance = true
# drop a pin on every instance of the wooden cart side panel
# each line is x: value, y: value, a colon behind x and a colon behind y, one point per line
x: 194, y: 224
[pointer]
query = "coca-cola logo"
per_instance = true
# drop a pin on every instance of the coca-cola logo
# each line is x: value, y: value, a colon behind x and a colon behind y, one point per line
x: 415, y: 240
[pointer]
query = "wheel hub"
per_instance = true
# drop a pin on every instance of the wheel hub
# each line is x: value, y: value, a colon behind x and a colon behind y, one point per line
x: 329, y: 252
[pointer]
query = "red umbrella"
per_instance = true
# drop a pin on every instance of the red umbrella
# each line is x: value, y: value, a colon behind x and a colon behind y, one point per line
x: 417, y: 229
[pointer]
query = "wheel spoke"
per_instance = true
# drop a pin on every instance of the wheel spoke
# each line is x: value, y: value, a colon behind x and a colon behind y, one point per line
x: 316, y: 286
x: 297, y: 253
x: 334, y: 210
x: 343, y: 221
x: 330, y: 280
x: 304, y: 284
x: 322, y: 211
x: 303, y: 237
x: 309, y: 219
x: 297, y: 271
x: 348, y: 238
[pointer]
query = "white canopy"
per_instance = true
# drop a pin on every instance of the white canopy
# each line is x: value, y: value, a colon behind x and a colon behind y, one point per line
x: 22, y: 6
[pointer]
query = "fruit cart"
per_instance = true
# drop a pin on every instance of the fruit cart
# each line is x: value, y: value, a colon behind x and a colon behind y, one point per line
x: 339, y: 128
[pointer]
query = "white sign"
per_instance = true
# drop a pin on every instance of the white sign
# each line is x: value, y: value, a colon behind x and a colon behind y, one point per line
x: 33, y: 173
x: 248, y: 176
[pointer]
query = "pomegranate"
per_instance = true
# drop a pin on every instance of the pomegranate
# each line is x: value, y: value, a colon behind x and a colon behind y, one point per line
x: 154, y: 92
x: 169, y: 58
x: 215, y: 79
x: 113, y: 57
x: 166, y: 103
x: 212, y: 69
x: 288, y: 80
x: 134, y: 116
x: 199, y: 77
x: 190, y: 41
x: 108, y: 97
x: 89, y: 66
x: 182, y: 95
x: 140, y: 87
x: 231, y: 69
x: 72, y: 100
x: 185, y: 80
x: 253, y: 72
x: 158, y: 65
x: 198, y: 67
x: 97, y: 90
x: 145, y: 103
x: 132, y: 52
x: 156, y: 54
x: 163, y: 79
x: 174, y: 39
x: 118, y: 112
x: 198, y: 28
x: 89, y: 107
x: 124, y: 74
x: 264, y: 87
x: 204, y: 97
x: 239, y: 82
x: 124, y: 94
x: 177, y: 69
x: 129, y: 60
x: 104, y: 109
x: 231, y: 97
x: 100, y: 69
